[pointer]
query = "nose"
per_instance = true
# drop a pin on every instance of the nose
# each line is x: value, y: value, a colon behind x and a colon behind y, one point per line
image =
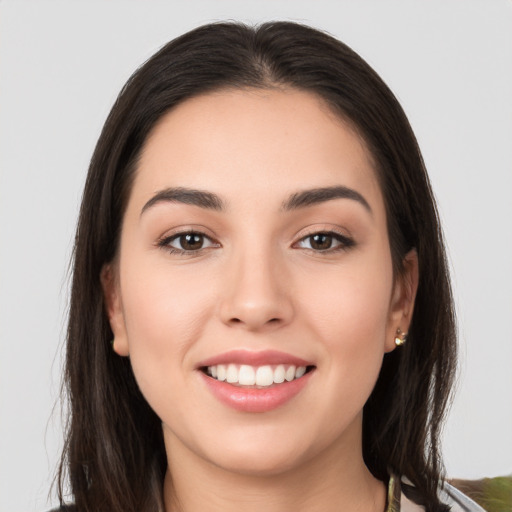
x: 257, y: 293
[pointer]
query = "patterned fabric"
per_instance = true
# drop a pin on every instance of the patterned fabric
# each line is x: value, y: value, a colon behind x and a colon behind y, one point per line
x: 399, y: 502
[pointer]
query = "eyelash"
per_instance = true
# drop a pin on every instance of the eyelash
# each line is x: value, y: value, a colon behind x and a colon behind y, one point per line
x: 166, y: 241
x: 345, y: 242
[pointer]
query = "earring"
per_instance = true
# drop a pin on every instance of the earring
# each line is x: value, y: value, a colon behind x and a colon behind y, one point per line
x: 400, y: 337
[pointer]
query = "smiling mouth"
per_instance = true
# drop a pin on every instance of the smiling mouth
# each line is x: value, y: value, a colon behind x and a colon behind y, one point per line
x: 258, y: 377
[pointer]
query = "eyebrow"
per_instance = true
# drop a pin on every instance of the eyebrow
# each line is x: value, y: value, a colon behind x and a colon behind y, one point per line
x: 314, y: 196
x: 211, y: 201
x: 200, y: 198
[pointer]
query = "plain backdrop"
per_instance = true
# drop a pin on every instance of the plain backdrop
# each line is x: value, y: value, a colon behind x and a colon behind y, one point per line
x: 61, y: 66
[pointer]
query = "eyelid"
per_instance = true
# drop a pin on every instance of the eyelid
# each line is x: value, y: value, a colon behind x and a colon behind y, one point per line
x: 164, y: 240
x: 179, y: 235
x: 187, y: 228
x: 346, y: 240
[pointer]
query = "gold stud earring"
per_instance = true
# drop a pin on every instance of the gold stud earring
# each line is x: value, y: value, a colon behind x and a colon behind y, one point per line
x: 400, y: 337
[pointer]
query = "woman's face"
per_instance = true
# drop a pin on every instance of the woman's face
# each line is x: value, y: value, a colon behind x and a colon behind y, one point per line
x: 253, y: 249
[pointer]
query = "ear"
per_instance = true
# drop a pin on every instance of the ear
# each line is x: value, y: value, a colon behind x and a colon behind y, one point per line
x: 402, y: 300
x: 114, y: 307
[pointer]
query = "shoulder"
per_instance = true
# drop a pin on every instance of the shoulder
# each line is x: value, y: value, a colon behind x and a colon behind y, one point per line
x: 64, y: 508
x: 449, y: 495
x: 458, y: 501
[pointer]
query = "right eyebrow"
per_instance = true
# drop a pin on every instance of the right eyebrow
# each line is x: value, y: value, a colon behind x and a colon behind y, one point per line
x: 183, y: 195
x: 305, y: 198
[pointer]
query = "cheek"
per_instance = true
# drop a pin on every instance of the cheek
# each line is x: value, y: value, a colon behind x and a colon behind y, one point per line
x: 162, y: 303
x: 351, y: 300
x: 348, y: 309
x: 165, y: 314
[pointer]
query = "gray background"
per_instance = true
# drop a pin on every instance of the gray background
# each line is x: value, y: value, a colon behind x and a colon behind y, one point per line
x: 61, y: 67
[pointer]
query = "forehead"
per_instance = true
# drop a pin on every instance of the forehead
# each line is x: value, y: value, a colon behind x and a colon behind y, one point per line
x: 270, y: 141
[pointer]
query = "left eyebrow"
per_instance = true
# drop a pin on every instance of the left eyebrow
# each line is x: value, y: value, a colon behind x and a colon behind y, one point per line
x: 315, y: 196
x: 201, y: 198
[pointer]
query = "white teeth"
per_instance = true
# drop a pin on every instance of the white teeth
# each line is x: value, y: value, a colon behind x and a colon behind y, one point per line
x: 279, y: 373
x: 261, y: 376
x: 221, y: 372
x: 232, y: 374
x: 264, y: 376
x: 247, y: 376
x: 300, y: 371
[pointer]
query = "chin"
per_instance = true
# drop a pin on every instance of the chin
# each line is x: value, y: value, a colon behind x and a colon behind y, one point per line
x: 261, y: 463
x: 261, y: 451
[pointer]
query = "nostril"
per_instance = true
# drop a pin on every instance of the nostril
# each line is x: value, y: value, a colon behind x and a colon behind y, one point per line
x: 235, y: 320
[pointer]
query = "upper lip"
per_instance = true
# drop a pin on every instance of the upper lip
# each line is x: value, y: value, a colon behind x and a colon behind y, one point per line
x: 254, y: 358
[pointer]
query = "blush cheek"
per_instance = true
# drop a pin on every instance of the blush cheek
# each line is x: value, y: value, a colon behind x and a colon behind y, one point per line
x: 349, y: 317
x: 165, y: 314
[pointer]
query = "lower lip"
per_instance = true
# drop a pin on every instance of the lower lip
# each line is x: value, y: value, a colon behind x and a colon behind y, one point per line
x: 253, y: 399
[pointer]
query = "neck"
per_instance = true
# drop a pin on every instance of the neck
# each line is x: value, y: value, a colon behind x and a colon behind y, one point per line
x: 336, y: 479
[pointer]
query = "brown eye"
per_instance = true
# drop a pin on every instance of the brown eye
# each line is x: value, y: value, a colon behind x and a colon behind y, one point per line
x: 325, y: 241
x: 320, y: 241
x: 187, y: 242
x: 191, y: 241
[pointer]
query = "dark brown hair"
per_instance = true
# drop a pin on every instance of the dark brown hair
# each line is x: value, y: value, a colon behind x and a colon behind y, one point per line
x: 114, y: 454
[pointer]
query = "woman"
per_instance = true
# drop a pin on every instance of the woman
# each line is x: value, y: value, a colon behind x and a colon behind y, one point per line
x: 261, y: 314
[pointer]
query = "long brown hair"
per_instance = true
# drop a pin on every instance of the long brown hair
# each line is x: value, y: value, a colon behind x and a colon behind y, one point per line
x: 114, y: 454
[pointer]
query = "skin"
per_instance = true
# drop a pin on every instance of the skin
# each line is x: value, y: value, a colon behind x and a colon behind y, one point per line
x: 258, y: 284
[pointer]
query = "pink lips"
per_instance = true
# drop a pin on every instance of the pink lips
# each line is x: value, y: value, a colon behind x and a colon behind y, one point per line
x: 248, y: 399
x: 254, y: 358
